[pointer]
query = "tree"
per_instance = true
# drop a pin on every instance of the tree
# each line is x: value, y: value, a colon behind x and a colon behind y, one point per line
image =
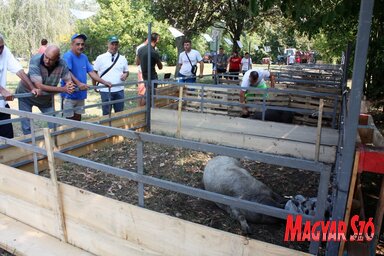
x: 189, y: 16
x: 336, y: 22
x: 242, y: 16
x: 25, y: 23
x: 129, y: 21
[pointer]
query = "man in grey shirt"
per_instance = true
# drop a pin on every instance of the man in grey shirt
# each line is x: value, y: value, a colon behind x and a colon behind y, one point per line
x: 45, y: 71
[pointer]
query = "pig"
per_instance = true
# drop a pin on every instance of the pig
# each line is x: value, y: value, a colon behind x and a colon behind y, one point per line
x: 224, y: 175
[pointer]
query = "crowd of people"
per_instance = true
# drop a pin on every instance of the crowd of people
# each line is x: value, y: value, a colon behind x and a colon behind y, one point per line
x: 231, y: 65
x: 67, y: 74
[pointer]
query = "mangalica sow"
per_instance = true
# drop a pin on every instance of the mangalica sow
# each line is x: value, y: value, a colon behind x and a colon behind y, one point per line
x: 224, y: 175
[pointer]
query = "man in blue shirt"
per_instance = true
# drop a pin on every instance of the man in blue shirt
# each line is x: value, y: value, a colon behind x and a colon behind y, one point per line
x: 79, y: 66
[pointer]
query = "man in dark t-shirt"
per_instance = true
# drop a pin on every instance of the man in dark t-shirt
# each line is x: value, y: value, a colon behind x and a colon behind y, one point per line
x: 155, y: 58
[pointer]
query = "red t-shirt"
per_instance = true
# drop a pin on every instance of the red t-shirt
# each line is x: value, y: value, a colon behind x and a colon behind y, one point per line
x: 234, y: 63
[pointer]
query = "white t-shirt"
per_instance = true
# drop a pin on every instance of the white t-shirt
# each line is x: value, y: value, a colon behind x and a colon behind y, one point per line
x: 7, y: 63
x: 246, y: 64
x: 103, y: 62
x: 186, y: 67
x: 291, y: 59
x: 262, y: 74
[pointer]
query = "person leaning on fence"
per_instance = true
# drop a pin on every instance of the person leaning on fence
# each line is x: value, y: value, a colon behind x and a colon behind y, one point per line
x: 155, y: 59
x: 113, y: 67
x: 188, y: 60
x: 45, y: 71
x: 254, y: 78
x: 9, y: 63
x: 140, y: 86
x: 79, y: 67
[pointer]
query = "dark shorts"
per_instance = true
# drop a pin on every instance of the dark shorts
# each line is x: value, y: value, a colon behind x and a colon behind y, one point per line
x: 6, y: 130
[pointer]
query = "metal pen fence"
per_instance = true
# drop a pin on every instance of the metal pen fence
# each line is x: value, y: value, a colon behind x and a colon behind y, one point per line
x: 139, y: 176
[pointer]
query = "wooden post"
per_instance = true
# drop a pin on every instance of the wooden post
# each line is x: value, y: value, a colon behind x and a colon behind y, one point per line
x: 319, y: 124
x: 350, y: 198
x: 56, y: 193
x: 178, y: 131
x: 378, y: 218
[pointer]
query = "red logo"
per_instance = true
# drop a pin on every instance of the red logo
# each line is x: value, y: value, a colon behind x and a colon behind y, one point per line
x: 331, y: 230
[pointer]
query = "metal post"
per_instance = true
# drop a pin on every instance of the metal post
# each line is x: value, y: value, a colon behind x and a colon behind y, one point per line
x: 140, y: 170
x: 343, y: 176
x: 345, y: 67
x: 202, y: 98
x: 215, y: 60
x: 109, y: 106
x: 33, y: 134
x: 148, y: 82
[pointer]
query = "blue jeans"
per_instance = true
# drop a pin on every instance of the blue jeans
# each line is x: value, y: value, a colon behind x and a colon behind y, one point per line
x: 26, y: 105
x: 119, y: 106
x: 186, y: 80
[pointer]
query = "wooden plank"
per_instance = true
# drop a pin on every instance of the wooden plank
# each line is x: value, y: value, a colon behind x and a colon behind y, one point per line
x: 270, y: 137
x: 179, y: 112
x: 318, y: 133
x: 21, y: 239
x: 350, y: 199
x: 248, y: 126
x: 11, y: 155
x: 378, y: 216
x: 58, y: 207
x: 105, y: 226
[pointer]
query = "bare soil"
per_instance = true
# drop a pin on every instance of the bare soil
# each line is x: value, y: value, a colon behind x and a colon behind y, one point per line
x: 185, y: 167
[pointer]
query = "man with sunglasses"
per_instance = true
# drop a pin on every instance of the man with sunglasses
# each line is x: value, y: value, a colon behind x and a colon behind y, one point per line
x: 45, y: 71
x: 113, y: 67
x: 79, y: 67
x: 9, y: 63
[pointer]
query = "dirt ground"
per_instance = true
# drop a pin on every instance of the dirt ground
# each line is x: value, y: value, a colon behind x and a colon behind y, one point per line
x: 185, y: 167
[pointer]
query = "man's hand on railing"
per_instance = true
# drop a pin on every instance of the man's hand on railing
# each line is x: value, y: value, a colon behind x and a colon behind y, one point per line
x: 37, y: 92
x: 7, y: 95
x: 69, y: 87
x: 83, y: 87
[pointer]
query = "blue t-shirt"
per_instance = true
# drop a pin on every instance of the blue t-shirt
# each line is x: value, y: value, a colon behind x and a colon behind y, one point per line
x: 79, y: 66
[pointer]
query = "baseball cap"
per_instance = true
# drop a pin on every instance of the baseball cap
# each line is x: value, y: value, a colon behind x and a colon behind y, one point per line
x: 113, y: 39
x: 84, y: 37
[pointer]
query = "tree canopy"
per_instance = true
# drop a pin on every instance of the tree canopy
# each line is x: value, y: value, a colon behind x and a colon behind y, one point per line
x: 326, y: 26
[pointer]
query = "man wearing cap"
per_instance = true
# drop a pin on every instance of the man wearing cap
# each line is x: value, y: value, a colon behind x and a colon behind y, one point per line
x: 114, y: 68
x: 9, y: 63
x: 79, y: 67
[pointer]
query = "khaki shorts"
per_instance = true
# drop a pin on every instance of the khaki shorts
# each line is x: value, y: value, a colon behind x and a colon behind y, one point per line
x: 68, y: 106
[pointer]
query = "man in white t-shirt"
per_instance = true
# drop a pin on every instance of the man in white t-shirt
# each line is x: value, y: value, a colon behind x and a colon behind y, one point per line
x: 254, y: 78
x: 246, y: 63
x: 188, y: 59
x: 113, y: 67
x: 291, y: 59
x: 9, y: 63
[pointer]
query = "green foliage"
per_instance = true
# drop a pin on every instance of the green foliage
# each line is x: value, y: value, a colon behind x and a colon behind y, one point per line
x: 129, y: 21
x: 25, y: 23
x: 334, y: 24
